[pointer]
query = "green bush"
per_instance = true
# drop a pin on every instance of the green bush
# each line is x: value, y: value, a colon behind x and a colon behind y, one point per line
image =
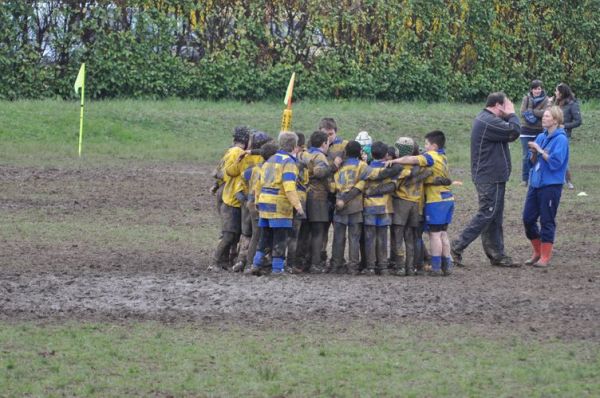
x: 393, y: 50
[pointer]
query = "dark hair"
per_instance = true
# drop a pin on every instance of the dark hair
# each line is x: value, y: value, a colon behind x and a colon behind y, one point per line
x: 436, y: 137
x: 328, y: 123
x: 269, y: 149
x: 241, y: 134
x: 535, y: 84
x: 416, y: 149
x: 301, y: 139
x: 378, y: 150
x: 565, y: 92
x: 495, y: 98
x: 353, y: 149
x: 392, y: 152
x: 318, y: 138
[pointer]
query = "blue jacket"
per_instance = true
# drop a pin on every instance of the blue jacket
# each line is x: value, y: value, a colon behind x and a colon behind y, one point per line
x: 553, y: 170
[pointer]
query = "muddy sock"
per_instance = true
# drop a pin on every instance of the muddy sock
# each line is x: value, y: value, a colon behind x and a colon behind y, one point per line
x: 449, y: 263
x: 436, y: 263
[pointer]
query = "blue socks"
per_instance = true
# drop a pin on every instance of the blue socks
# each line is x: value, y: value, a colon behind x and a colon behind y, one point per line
x: 436, y: 263
x: 258, y: 257
x: 278, y: 263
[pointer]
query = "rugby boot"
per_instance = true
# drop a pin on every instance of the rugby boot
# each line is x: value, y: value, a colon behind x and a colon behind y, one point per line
x: 504, y: 261
x: 537, y: 245
x: 456, y: 255
x: 545, y: 255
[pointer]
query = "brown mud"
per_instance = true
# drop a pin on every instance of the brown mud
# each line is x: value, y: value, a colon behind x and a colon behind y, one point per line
x: 92, y: 279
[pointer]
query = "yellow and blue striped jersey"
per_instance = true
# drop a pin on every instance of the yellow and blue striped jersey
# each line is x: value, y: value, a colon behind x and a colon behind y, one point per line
x: 380, y: 203
x: 303, y: 178
x: 439, y: 166
x: 232, y: 184
x: 278, y: 175
x: 252, y: 176
x: 244, y: 167
x: 336, y: 149
x: 408, y: 188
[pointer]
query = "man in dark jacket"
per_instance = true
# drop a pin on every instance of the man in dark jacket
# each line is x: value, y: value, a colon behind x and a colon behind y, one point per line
x: 493, y: 129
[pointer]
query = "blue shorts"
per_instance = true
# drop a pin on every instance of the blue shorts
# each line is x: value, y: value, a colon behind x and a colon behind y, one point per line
x: 438, y: 213
x: 275, y: 222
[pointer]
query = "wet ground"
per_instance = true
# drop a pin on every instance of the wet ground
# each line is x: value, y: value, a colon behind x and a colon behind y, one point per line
x: 48, y: 272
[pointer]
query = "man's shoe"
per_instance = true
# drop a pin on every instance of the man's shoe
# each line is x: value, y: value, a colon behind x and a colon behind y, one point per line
x: 456, y: 255
x: 570, y: 185
x: 523, y: 184
x: 256, y: 271
x: 505, y: 261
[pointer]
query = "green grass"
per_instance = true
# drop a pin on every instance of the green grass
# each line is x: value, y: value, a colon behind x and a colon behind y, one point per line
x: 149, y: 359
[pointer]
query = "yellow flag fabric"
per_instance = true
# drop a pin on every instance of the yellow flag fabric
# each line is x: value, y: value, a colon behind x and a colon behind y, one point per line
x: 79, y: 83
x: 288, y: 94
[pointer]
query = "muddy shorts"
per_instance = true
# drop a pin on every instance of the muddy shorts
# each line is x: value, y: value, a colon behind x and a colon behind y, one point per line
x: 377, y: 220
x: 405, y: 213
x: 317, y: 208
x: 349, y: 219
x: 232, y: 219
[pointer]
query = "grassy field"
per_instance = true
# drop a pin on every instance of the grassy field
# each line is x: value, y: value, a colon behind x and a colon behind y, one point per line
x: 356, y: 359
x: 151, y: 359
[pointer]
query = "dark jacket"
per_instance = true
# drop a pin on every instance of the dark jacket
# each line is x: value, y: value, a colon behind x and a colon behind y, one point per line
x: 572, y: 115
x: 490, y: 156
x: 537, y: 106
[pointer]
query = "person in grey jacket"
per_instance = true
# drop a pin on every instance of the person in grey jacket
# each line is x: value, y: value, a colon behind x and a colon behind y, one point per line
x: 532, y: 109
x: 493, y: 128
x: 565, y: 99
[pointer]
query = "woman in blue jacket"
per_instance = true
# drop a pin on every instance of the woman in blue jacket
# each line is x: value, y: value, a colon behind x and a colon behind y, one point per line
x: 549, y: 157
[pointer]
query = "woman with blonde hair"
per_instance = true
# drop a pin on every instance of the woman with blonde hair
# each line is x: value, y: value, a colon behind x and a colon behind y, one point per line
x: 549, y: 157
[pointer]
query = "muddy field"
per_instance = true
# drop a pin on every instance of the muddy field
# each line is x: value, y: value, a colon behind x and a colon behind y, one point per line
x: 51, y: 273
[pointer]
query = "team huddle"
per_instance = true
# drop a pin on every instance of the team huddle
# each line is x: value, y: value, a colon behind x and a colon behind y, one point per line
x: 278, y: 199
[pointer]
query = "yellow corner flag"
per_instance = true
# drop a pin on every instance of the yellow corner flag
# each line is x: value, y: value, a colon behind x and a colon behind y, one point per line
x: 286, y: 119
x: 80, y: 84
x: 288, y: 93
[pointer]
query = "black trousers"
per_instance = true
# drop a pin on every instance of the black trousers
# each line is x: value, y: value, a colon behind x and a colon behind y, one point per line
x: 487, y: 222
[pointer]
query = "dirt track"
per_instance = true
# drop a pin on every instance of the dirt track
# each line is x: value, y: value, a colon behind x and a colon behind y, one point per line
x: 95, y: 279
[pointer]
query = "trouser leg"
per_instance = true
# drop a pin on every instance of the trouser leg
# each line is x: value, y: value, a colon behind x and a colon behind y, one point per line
x: 292, y: 243
x: 382, y: 248
x: 526, y: 165
x: 399, y: 236
x: 317, y: 233
x: 280, y: 239
x: 409, y: 241
x: 265, y: 243
x: 492, y: 237
x: 253, y: 240
x: 550, y: 199
x: 531, y: 213
x: 339, y: 244
x: 223, y: 248
x: 370, y: 246
x: 354, y: 233
x: 488, y: 195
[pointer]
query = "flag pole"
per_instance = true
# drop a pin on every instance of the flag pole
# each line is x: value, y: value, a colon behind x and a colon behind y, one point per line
x: 286, y: 119
x: 80, y: 84
x: 81, y: 116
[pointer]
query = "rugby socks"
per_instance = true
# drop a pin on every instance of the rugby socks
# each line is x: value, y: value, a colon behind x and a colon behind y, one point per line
x: 258, y: 257
x: 278, y: 263
x: 436, y: 263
